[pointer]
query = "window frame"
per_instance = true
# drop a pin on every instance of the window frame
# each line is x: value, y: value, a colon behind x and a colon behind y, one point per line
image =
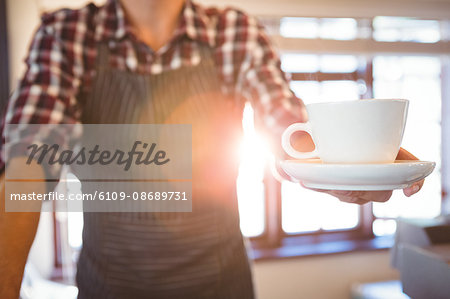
x: 4, y: 65
x: 274, y: 243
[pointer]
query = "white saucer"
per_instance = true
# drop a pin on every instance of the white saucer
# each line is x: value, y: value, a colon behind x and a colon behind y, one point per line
x: 398, y: 175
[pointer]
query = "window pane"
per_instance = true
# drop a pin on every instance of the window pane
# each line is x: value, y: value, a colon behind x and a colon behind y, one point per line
x: 75, y: 229
x: 74, y: 219
x: 301, y: 210
x: 338, y: 28
x: 299, y: 63
x: 305, y: 210
x: 338, y: 63
x: 251, y: 207
x: 327, y: 91
x: 250, y: 187
x: 326, y: 28
x: 384, y: 227
x: 299, y: 27
x: 392, y: 29
x: 308, y: 91
x: 393, y: 68
x: 339, y: 91
x: 309, y: 63
x: 339, y: 215
x: 416, y: 78
x: 425, y: 204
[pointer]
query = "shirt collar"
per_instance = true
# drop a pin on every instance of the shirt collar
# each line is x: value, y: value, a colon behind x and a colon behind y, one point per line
x: 194, y: 23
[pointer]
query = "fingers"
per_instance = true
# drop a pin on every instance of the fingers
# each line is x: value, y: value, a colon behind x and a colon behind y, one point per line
x: 405, y: 155
x: 362, y: 197
x: 414, y: 188
x: 357, y: 197
x: 358, y: 201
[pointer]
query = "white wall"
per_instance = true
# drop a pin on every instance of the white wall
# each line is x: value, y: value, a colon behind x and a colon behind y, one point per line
x: 322, y: 277
x: 445, y: 123
x: 23, y: 18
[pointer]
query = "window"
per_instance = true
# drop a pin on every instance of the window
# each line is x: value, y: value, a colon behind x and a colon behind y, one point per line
x: 250, y: 179
x: 393, y: 29
x: 325, y: 28
x: 275, y: 213
x: 417, y: 78
x: 389, y: 70
x: 304, y: 210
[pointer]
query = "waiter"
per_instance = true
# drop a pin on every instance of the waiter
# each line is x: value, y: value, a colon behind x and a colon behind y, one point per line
x: 150, y: 61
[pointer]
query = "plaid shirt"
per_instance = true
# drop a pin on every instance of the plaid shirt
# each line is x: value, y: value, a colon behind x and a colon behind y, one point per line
x: 61, y: 62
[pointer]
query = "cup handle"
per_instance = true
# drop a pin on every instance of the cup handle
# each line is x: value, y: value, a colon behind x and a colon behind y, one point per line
x: 286, y: 141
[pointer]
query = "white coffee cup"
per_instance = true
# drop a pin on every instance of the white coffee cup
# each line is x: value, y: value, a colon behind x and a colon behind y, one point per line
x: 353, y: 132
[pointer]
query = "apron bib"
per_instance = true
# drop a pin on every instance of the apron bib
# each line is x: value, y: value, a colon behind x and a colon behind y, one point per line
x: 200, y: 254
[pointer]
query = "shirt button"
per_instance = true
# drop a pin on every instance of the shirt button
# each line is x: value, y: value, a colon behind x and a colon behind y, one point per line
x: 131, y: 62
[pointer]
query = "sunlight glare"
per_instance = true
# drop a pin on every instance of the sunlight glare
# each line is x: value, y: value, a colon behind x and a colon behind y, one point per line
x: 250, y: 188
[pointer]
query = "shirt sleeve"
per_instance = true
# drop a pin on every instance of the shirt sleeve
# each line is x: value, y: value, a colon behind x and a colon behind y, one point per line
x: 266, y: 85
x: 46, y: 94
x: 252, y: 66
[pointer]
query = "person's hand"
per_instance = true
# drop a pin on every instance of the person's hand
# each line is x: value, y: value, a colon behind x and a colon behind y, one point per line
x: 415, y: 187
x: 358, y: 197
x: 362, y: 197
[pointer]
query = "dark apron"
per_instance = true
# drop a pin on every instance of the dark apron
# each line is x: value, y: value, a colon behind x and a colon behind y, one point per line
x: 200, y: 254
